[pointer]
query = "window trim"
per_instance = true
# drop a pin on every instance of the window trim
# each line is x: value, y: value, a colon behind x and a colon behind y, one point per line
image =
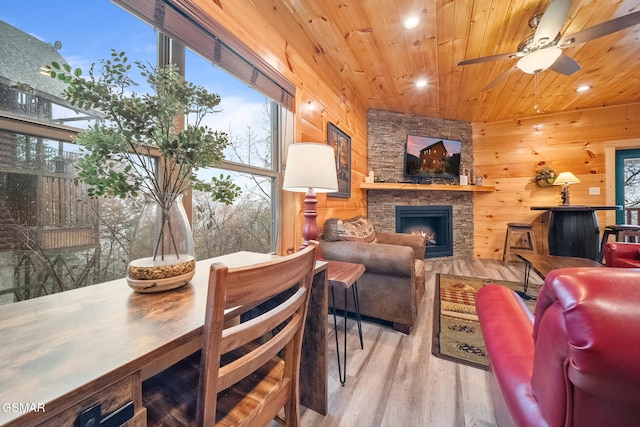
x: 187, y: 23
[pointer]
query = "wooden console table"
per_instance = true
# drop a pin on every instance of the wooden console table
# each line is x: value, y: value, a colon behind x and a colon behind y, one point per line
x: 63, y: 353
x: 573, y: 230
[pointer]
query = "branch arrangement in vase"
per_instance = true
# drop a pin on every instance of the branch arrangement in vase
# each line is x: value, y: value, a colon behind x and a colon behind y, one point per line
x: 118, y: 151
x: 151, y: 143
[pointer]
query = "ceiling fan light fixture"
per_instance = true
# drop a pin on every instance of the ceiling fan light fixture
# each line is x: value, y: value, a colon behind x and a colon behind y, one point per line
x: 539, y: 60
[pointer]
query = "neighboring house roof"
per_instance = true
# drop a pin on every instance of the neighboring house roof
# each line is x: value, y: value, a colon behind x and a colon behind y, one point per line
x: 21, y: 58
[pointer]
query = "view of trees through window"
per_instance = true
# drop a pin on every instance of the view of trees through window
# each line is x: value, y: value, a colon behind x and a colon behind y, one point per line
x: 53, y: 237
x: 632, y: 191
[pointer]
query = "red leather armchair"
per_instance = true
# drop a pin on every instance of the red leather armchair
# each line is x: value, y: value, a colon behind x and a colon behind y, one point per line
x: 576, y: 363
x: 618, y: 254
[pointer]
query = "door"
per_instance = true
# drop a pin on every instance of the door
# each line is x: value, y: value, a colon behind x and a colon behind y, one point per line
x: 628, y: 186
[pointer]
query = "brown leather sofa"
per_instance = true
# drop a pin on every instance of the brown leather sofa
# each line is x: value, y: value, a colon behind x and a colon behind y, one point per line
x: 576, y: 362
x: 393, y: 284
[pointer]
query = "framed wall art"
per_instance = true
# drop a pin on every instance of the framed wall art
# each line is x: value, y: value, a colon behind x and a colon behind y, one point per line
x: 341, y: 143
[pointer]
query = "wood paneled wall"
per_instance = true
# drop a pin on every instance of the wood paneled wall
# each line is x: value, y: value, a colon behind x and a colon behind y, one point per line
x: 319, y: 99
x: 507, y: 154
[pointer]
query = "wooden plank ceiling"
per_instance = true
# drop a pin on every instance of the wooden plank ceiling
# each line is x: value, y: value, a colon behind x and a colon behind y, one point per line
x: 362, y: 45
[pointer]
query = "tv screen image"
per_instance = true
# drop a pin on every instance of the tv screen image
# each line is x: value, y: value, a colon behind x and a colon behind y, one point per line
x: 428, y: 159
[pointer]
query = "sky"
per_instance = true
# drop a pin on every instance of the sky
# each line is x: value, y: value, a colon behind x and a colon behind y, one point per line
x: 89, y: 29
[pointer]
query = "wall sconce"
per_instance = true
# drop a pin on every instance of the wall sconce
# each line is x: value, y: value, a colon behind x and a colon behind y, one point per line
x: 565, y: 179
x: 310, y: 169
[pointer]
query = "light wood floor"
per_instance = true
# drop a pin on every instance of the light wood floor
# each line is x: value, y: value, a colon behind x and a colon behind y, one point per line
x: 396, y: 381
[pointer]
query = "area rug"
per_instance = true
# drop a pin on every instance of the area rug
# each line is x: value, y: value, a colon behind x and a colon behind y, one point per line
x: 456, y: 330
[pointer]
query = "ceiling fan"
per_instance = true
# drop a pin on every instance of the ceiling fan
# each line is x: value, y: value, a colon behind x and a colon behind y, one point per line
x: 543, y: 50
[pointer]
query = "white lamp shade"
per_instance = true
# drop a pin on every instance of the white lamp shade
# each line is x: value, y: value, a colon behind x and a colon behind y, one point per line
x: 310, y: 165
x: 566, y: 178
x: 539, y: 60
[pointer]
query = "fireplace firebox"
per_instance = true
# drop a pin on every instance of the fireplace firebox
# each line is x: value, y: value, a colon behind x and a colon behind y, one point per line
x: 433, y: 222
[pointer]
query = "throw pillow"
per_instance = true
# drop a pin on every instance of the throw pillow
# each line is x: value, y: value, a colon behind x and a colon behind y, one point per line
x: 358, y: 229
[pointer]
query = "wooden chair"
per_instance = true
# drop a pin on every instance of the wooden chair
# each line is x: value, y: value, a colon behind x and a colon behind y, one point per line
x: 247, y: 373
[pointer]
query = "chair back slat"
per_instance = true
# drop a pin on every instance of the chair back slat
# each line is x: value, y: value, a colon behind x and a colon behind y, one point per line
x: 258, y: 340
x: 245, y: 365
x: 250, y: 330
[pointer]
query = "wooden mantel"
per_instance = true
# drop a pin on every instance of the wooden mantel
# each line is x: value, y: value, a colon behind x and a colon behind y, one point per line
x: 422, y: 187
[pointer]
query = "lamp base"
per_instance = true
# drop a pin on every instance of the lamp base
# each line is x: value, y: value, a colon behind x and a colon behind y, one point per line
x: 310, y: 228
x: 565, y: 195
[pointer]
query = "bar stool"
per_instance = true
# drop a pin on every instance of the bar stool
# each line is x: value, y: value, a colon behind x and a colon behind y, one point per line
x: 622, y: 232
x: 516, y: 230
x: 344, y: 275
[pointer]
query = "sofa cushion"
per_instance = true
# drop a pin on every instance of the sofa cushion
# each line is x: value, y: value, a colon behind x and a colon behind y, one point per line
x: 357, y: 229
x: 625, y: 263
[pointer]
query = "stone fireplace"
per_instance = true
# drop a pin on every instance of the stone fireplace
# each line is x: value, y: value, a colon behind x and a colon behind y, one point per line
x: 382, y: 206
x: 433, y: 222
x: 386, y: 137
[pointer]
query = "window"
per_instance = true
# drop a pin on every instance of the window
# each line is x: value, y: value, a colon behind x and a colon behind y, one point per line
x: 53, y: 237
x: 250, y: 120
x: 627, y: 186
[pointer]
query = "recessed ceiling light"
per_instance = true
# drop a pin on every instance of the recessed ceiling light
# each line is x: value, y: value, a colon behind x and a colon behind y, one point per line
x: 583, y: 88
x: 411, y: 22
x: 421, y: 82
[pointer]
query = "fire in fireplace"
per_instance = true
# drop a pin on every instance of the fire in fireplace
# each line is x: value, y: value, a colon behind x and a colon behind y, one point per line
x: 426, y: 232
x: 432, y: 222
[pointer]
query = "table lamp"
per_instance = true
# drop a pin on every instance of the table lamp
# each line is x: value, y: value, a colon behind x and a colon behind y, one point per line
x: 310, y: 169
x: 564, y: 179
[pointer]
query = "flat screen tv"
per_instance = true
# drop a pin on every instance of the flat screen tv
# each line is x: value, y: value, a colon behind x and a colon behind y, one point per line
x: 431, y: 160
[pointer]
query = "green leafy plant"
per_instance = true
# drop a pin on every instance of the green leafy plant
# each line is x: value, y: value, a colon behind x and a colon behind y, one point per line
x: 545, y: 176
x: 119, y: 150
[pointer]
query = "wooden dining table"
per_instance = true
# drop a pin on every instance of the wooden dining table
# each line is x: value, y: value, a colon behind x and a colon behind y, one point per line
x: 61, y: 354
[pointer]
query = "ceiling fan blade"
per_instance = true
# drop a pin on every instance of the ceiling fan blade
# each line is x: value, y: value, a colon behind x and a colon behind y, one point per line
x: 565, y: 65
x: 600, y: 30
x: 552, y: 22
x: 490, y: 58
x: 502, y: 77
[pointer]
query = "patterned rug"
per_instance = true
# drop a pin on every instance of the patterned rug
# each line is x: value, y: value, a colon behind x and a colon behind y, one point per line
x: 456, y: 330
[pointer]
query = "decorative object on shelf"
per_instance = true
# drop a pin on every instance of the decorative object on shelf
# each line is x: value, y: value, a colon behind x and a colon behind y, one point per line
x: 138, y: 147
x: 545, y: 176
x: 464, y: 176
x: 564, y: 179
x: 310, y: 169
x: 370, y: 178
x: 341, y: 143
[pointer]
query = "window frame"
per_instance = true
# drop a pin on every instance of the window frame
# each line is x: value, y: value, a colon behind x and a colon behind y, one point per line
x: 171, y: 51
